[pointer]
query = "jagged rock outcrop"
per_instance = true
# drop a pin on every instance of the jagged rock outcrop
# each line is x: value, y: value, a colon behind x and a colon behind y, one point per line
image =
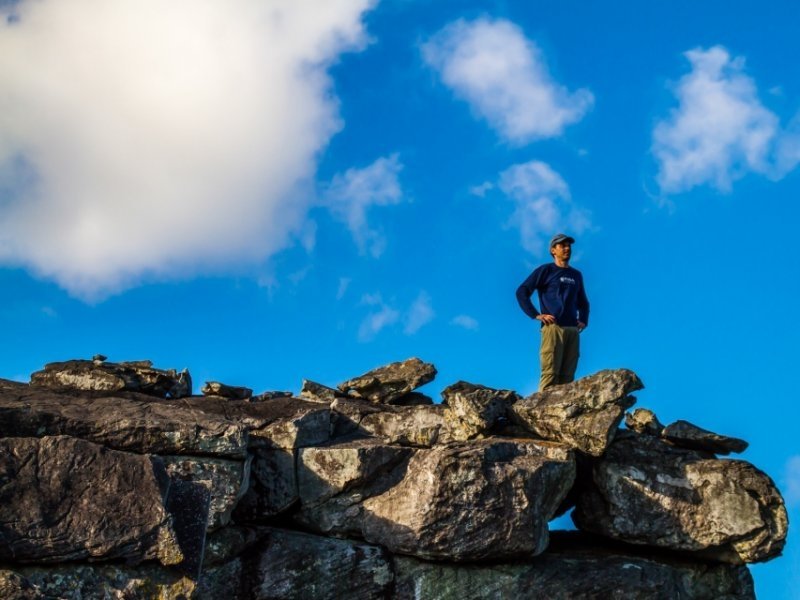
x: 366, y: 491
x: 388, y: 383
x: 100, y: 376
x: 583, y: 414
x: 647, y: 491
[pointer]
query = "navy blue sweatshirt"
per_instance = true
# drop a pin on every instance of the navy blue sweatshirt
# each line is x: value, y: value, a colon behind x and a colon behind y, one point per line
x: 561, y: 294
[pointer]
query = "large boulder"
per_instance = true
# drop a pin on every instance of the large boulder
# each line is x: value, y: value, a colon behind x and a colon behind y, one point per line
x: 130, y: 421
x: 273, y: 485
x: 106, y: 377
x: 583, y: 414
x: 390, y: 382
x: 487, y: 499
x: 572, y: 569
x: 64, y: 499
x: 300, y: 566
x: 420, y: 425
x: 647, y: 491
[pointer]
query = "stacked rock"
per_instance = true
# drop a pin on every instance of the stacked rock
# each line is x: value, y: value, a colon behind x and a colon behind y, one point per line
x: 116, y: 482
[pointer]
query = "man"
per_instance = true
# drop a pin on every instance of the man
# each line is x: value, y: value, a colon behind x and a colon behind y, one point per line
x: 564, y: 312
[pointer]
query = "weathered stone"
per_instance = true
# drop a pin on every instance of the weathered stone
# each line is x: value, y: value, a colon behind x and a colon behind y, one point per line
x: 187, y: 504
x: 215, y: 388
x: 316, y: 392
x: 280, y: 423
x: 301, y: 566
x: 405, y: 425
x: 334, y: 479
x: 130, y: 422
x: 228, y: 543
x: 226, y: 481
x: 273, y: 485
x: 473, y: 410
x: 65, y: 499
x: 483, y: 499
x: 100, y: 376
x: 569, y: 570
x: 412, y: 399
x: 387, y: 383
x: 644, y: 421
x: 222, y: 582
x: 583, y: 414
x: 271, y: 395
x: 687, y: 435
x: 647, y: 491
x: 83, y: 582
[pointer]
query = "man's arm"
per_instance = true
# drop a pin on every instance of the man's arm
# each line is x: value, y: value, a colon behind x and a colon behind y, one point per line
x: 583, y: 307
x: 526, y: 290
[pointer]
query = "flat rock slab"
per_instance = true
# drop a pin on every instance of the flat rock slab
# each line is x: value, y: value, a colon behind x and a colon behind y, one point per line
x: 687, y: 435
x: 279, y: 423
x: 99, y: 376
x: 64, y: 499
x: 131, y: 422
x: 565, y: 572
x: 273, y: 486
x: 316, y: 392
x: 405, y: 425
x: 215, y: 388
x: 300, y: 566
x: 583, y: 414
x: 387, y: 383
x: 647, y: 491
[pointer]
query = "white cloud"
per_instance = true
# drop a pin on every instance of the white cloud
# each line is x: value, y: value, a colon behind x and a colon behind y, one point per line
x: 151, y: 139
x: 482, y: 189
x: 419, y: 314
x: 720, y: 130
x: 466, y: 322
x: 381, y: 317
x: 349, y: 196
x: 793, y: 481
x: 503, y: 76
x: 543, y: 204
x: 344, y: 283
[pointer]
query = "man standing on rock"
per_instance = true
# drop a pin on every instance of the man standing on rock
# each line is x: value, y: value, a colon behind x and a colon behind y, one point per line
x: 564, y: 312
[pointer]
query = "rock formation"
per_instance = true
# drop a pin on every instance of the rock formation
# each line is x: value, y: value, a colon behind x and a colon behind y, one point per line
x: 116, y: 482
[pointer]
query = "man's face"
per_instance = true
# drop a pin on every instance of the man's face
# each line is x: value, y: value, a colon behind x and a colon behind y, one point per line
x: 562, y: 251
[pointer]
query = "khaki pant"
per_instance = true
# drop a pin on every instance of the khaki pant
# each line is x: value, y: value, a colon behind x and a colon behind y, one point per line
x: 559, y: 355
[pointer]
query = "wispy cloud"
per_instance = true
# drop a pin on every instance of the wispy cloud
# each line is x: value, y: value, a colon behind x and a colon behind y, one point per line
x: 419, y: 314
x: 543, y: 204
x: 466, y: 322
x: 792, y: 490
x: 344, y: 283
x: 381, y: 316
x: 720, y: 130
x: 158, y: 139
x: 503, y: 76
x: 350, y: 194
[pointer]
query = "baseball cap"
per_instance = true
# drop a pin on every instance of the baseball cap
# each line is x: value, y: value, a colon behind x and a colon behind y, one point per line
x: 560, y: 238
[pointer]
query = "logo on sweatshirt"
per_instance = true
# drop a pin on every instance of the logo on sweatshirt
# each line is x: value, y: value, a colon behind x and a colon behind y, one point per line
x: 569, y: 280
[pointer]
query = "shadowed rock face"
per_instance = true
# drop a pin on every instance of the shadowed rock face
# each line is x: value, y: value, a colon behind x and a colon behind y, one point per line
x: 583, y: 414
x: 299, y: 566
x: 569, y: 570
x: 132, y: 422
x: 646, y: 491
x: 687, y: 435
x: 63, y: 499
x: 100, y: 376
x: 390, y: 382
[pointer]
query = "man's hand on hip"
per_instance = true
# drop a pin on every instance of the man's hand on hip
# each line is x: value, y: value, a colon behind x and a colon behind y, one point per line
x: 546, y: 319
x: 581, y: 326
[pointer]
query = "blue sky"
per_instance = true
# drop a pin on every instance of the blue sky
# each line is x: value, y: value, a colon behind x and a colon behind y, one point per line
x: 267, y: 191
